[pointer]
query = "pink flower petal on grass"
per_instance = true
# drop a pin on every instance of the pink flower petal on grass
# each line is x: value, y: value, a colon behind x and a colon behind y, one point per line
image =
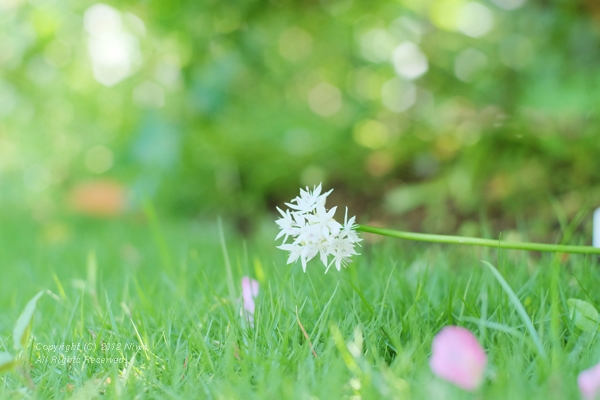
x: 458, y: 357
x: 249, y: 293
x: 589, y: 383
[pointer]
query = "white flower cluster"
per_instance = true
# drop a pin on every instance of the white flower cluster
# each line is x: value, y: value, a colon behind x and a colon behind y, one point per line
x: 314, y: 231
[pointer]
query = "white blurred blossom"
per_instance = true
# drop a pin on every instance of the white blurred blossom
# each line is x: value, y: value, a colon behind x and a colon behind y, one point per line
x: 315, y: 231
x: 114, y: 52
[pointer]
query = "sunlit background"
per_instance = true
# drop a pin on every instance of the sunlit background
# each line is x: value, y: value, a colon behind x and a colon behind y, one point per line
x: 446, y: 116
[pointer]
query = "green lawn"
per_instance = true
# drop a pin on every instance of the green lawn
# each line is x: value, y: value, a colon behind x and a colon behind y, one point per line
x: 160, y: 297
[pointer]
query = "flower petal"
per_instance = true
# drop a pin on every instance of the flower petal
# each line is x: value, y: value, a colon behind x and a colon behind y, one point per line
x: 250, y: 289
x: 589, y: 383
x: 458, y: 358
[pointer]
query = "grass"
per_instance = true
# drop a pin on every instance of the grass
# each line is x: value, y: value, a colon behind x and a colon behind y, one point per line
x: 160, y: 297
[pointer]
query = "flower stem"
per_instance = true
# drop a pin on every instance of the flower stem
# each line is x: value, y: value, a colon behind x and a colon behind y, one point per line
x: 425, y: 237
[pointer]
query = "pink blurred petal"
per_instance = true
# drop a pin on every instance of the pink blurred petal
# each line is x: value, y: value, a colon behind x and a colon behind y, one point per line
x: 249, y: 293
x: 458, y: 357
x: 589, y: 383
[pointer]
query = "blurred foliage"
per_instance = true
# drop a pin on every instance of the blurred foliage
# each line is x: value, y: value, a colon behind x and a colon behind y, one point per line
x: 432, y: 111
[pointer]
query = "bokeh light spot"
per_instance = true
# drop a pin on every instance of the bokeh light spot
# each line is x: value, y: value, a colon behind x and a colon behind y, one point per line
x: 425, y: 165
x: 7, y: 50
x: 405, y: 28
x: 409, y: 61
x: 37, y: 178
x: 398, y: 95
x: 298, y: 141
x: 7, y: 5
x: 469, y: 63
x: 379, y: 163
x: 365, y: 84
x: 474, y: 19
x: 325, y: 99
x: 101, y: 19
x: 516, y: 51
x: 371, y: 133
x: 98, y: 198
x: 114, y: 52
x: 168, y: 71
x: 99, y: 159
x: 509, y: 4
x: 377, y: 45
x: 8, y: 99
x: 312, y: 175
x: 443, y: 13
x: 40, y: 72
x: 57, y: 53
x: 149, y: 94
x: 468, y: 132
x: 135, y: 23
x: 295, y: 44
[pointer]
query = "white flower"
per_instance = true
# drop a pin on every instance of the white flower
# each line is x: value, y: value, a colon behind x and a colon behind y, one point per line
x: 308, y: 201
x: 349, y: 229
x: 322, y: 220
x: 341, y: 249
x: 286, y: 224
x: 295, y: 252
x: 315, y: 231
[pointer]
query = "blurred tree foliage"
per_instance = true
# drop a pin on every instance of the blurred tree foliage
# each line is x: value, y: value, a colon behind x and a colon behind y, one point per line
x: 434, y: 111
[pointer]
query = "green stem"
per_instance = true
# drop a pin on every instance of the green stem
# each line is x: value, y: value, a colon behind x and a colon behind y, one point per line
x: 425, y: 237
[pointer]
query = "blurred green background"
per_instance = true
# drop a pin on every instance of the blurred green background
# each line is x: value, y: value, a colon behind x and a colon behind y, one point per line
x: 447, y: 116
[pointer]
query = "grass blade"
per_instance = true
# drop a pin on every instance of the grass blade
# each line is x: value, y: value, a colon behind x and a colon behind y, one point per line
x: 23, y: 324
x: 519, y: 307
x: 159, y: 238
x: 230, y: 282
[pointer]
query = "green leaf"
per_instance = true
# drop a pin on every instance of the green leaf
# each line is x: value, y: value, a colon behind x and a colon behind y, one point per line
x: 23, y: 325
x: 7, y: 361
x: 584, y: 315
